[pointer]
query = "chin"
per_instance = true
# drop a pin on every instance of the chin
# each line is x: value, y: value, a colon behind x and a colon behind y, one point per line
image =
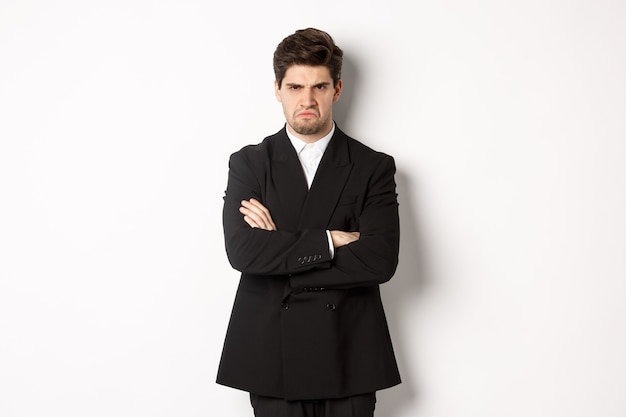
x: 308, y: 128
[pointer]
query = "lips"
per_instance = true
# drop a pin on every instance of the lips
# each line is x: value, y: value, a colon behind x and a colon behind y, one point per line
x: 307, y: 114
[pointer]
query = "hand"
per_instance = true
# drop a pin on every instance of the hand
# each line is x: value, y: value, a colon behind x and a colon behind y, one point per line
x: 341, y: 238
x: 256, y: 215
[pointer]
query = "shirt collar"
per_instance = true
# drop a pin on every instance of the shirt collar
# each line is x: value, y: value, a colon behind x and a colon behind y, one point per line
x: 321, y: 144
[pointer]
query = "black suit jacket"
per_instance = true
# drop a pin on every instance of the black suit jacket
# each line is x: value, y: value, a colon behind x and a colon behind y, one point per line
x: 303, y: 325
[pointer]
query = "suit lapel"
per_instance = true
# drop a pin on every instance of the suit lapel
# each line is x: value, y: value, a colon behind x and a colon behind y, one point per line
x: 289, y: 182
x: 330, y: 179
x: 316, y: 206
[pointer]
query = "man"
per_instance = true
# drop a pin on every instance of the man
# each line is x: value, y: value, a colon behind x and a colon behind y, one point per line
x: 311, y: 221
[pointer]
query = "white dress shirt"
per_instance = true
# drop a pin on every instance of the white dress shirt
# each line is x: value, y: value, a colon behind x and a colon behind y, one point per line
x: 310, y: 155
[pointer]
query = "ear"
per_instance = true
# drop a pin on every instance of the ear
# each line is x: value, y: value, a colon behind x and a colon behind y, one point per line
x: 338, y: 88
x: 277, y: 92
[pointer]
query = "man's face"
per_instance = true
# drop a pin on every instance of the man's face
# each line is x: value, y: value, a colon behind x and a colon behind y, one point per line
x: 307, y: 95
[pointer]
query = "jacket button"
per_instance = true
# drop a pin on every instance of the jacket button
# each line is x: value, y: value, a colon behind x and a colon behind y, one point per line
x: 285, y: 306
x: 330, y: 306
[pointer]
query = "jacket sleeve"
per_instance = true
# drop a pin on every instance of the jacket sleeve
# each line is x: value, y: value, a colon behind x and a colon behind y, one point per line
x: 263, y: 252
x: 373, y: 258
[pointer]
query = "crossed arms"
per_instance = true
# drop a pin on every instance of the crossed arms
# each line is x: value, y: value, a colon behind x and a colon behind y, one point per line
x: 255, y: 245
x: 258, y: 216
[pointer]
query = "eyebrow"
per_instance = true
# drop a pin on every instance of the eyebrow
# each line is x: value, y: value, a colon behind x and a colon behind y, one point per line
x: 322, y: 83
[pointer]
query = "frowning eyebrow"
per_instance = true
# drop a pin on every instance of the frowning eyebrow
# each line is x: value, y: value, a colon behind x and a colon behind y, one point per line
x: 295, y: 86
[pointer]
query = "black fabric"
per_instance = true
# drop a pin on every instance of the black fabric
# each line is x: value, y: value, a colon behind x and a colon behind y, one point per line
x: 355, y: 406
x: 305, y: 326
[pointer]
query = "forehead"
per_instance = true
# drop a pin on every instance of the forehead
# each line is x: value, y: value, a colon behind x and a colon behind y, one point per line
x: 307, y: 74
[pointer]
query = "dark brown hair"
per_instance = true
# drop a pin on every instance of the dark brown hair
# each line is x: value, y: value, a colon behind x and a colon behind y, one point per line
x: 308, y: 47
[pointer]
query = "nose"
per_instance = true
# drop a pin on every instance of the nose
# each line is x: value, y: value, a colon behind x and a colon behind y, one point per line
x: 308, y: 97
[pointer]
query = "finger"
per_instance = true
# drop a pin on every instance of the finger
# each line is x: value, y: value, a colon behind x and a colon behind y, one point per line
x: 257, y: 217
x: 264, y: 216
x: 267, y: 215
x: 256, y: 214
x: 262, y: 210
x: 256, y: 203
x: 251, y: 222
x: 254, y: 218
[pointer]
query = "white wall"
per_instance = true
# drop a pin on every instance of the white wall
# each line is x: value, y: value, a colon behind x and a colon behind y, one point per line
x: 507, y: 122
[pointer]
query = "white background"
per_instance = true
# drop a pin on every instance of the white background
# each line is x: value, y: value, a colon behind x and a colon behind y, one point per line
x: 507, y: 122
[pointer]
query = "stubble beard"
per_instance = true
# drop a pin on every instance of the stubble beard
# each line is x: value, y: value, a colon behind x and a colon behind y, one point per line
x: 308, y: 127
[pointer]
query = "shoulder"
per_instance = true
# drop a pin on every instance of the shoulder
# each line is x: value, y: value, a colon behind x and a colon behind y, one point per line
x: 364, y: 154
x: 258, y: 152
x: 265, y: 146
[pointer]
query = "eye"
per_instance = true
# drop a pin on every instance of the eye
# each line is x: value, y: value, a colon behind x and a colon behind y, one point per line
x: 321, y: 86
x: 294, y: 87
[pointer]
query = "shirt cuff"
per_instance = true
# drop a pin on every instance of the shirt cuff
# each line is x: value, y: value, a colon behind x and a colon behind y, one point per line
x: 331, y: 248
